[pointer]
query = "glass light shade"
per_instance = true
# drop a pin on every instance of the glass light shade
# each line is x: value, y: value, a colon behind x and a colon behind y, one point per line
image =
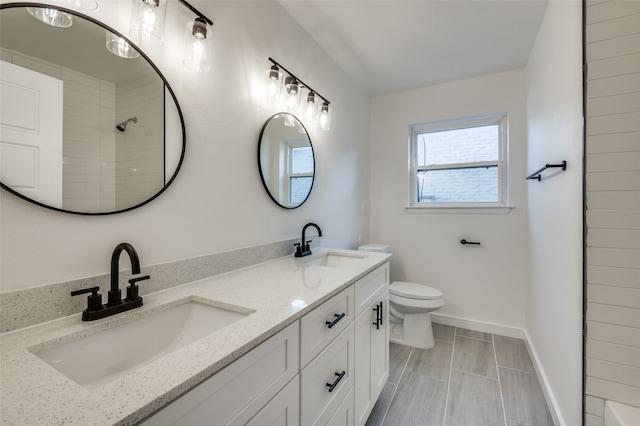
x: 274, y: 81
x: 291, y: 93
x: 197, y: 48
x: 118, y: 46
x: 310, y: 106
x: 147, y: 21
x: 52, y: 17
x: 83, y: 4
x: 324, y: 119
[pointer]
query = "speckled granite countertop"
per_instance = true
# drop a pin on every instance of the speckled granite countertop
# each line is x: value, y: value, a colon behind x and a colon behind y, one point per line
x: 279, y: 291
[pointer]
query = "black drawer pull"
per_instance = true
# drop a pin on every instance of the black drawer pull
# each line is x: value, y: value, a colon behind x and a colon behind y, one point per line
x: 335, y: 383
x: 335, y: 321
x: 379, y: 321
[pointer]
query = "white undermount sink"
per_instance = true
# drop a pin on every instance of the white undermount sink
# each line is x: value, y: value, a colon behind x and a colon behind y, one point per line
x: 100, y: 358
x: 335, y: 260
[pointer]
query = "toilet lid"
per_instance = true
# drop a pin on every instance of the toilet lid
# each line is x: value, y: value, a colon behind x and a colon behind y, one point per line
x: 414, y: 291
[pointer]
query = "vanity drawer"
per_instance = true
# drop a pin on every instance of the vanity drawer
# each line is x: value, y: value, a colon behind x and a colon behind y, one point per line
x: 333, y: 366
x: 323, y: 324
x: 368, y: 287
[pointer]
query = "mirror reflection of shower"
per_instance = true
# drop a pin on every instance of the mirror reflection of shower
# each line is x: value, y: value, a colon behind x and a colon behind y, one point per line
x: 123, y: 126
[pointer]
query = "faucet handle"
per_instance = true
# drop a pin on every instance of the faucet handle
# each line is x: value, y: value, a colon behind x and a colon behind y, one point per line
x: 132, y: 290
x: 306, y: 246
x: 94, y: 300
x: 298, y: 249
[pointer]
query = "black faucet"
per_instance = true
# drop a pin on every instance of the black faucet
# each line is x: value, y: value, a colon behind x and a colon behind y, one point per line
x: 95, y: 309
x: 302, y: 248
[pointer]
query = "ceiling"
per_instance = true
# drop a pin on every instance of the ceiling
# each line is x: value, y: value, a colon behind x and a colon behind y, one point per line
x: 389, y: 46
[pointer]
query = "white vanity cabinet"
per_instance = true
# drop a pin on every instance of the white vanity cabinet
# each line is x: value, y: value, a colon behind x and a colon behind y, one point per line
x: 258, y: 382
x: 327, y: 368
x: 372, y: 341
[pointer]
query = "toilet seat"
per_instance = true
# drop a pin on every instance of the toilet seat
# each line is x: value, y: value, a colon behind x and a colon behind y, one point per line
x: 414, y: 291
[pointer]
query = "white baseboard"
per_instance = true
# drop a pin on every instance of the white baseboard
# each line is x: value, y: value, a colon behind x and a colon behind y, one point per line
x: 544, y: 383
x: 514, y: 332
x: 484, y: 327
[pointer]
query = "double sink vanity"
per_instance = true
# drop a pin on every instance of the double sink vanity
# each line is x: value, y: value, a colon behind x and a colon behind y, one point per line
x: 277, y: 340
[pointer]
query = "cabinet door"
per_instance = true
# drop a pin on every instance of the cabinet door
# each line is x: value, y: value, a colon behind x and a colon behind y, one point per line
x: 380, y: 347
x: 372, y: 355
x: 283, y: 409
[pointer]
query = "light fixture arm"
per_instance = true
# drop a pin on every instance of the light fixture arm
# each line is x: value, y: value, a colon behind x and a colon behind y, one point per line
x: 197, y: 12
x: 302, y: 83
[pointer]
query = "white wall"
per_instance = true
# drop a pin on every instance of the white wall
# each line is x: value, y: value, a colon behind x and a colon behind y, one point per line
x: 485, y: 283
x: 554, y: 292
x: 217, y: 202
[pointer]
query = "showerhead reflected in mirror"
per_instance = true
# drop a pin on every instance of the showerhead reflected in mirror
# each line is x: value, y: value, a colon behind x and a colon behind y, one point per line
x: 83, y: 130
x: 123, y: 126
x: 286, y: 160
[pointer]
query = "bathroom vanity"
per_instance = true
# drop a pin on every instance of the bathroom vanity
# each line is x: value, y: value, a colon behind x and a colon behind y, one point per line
x: 290, y: 352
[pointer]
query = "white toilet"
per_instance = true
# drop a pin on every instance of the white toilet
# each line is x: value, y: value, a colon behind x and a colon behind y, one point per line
x: 409, y: 308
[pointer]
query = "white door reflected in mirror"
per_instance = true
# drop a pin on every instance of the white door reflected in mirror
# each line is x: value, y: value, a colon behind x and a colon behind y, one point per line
x: 31, y: 133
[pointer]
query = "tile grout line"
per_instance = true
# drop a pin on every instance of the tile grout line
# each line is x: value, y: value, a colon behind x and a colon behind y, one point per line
x: 495, y: 359
x: 446, y: 401
x: 393, y: 395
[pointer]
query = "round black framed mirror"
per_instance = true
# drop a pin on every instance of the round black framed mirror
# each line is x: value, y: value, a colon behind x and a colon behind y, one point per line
x: 286, y: 160
x: 83, y: 130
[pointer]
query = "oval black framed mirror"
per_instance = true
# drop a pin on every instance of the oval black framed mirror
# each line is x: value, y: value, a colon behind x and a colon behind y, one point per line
x: 82, y: 130
x: 286, y: 160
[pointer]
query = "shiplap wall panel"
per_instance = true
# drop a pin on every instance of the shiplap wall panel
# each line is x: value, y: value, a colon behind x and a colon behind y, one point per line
x: 612, y: 67
x: 623, y: 277
x: 621, y: 200
x: 613, y: 372
x: 613, y: 205
x: 613, y: 181
x: 613, y: 219
x: 613, y: 315
x: 613, y: 295
x: 615, y: 85
x: 614, y: 333
x: 619, y: 104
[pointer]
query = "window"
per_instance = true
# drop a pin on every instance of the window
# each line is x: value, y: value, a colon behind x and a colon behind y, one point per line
x: 300, y: 167
x: 458, y: 163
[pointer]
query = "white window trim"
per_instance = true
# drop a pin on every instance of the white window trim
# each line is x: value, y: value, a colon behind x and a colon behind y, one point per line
x: 289, y: 146
x: 501, y: 206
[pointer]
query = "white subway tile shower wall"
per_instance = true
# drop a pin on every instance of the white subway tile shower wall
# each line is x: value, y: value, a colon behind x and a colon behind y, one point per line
x: 613, y: 206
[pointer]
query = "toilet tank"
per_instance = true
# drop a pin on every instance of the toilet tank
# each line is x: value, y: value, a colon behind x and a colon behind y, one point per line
x: 379, y: 248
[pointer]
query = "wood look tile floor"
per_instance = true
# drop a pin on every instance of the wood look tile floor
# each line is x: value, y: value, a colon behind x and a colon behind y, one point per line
x: 468, y: 379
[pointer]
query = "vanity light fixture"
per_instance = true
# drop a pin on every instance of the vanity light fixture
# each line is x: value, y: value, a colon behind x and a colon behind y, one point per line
x: 119, y: 46
x: 53, y: 17
x: 291, y: 88
x: 147, y: 23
